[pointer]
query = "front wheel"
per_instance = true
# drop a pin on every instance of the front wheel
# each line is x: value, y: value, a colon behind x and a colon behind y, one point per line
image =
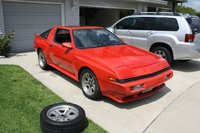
x: 90, y: 85
x: 164, y: 53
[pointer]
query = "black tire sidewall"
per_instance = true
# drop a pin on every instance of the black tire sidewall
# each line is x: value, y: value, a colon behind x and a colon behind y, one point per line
x: 77, y: 124
x: 168, y: 54
x: 97, y: 94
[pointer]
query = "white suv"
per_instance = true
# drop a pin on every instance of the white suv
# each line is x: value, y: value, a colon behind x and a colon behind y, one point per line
x: 171, y: 36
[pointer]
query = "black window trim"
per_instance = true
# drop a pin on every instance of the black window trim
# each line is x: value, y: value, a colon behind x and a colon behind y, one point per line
x: 54, y: 38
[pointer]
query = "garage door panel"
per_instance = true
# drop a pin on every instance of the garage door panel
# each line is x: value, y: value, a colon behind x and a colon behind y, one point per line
x: 32, y: 20
x: 26, y: 46
x: 34, y: 8
x: 21, y: 33
x: 28, y: 19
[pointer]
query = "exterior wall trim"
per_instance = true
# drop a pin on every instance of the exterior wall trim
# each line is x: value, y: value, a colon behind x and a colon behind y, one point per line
x: 39, y: 2
x: 105, y: 7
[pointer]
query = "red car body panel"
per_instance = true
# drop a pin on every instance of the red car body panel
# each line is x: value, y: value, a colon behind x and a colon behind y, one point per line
x: 118, y: 61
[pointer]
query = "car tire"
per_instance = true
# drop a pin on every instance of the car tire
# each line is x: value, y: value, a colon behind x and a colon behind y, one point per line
x: 164, y: 53
x: 90, y: 85
x: 42, y: 60
x: 63, y: 118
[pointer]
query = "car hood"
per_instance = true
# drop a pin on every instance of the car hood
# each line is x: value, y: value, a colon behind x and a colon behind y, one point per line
x: 121, y: 55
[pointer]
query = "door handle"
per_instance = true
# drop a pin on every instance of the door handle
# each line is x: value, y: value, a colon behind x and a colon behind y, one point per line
x: 149, y: 33
x: 128, y: 32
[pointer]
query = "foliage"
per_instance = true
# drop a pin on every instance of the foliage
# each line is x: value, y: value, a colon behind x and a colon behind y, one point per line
x: 22, y: 98
x: 4, y: 43
x: 184, y: 9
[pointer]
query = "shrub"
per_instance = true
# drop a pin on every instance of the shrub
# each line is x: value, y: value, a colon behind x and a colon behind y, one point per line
x: 4, y: 43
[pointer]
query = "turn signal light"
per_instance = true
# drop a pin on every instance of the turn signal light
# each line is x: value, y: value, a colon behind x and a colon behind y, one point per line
x: 112, y: 79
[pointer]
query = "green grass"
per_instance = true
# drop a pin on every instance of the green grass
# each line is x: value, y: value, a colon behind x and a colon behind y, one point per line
x: 22, y: 98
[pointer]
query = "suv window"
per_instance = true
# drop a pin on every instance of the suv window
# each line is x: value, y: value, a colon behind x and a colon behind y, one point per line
x: 62, y: 35
x: 145, y: 23
x: 194, y: 24
x: 137, y: 23
x: 126, y: 23
x: 45, y: 34
x: 168, y: 24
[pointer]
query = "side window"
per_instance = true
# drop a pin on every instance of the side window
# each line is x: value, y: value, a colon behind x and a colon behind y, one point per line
x: 145, y: 23
x: 168, y: 24
x: 127, y: 23
x: 62, y: 35
x: 45, y: 34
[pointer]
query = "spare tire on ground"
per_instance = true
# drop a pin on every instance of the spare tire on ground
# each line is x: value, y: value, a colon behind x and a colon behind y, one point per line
x: 63, y: 118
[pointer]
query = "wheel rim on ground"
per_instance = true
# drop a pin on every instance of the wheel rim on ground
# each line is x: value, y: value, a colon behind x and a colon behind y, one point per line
x: 88, y: 83
x: 41, y: 59
x: 62, y: 113
x: 161, y: 53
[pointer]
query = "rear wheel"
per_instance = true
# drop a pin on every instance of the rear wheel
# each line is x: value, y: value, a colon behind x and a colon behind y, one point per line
x: 42, y: 60
x: 163, y: 52
x: 90, y: 85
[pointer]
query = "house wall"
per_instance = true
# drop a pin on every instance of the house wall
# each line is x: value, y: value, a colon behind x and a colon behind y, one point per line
x: 72, y: 12
x: 1, y: 19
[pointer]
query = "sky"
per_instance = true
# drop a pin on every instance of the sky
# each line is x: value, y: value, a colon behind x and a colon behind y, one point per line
x: 194, y: 4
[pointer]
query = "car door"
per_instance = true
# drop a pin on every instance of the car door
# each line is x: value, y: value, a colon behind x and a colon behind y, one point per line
x: 60, y: 55
x: 123, y: 29
x: 142, y: 30
x: 135, y: 30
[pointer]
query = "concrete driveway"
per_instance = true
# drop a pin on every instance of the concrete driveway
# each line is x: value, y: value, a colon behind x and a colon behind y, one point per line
x: 173, y: 109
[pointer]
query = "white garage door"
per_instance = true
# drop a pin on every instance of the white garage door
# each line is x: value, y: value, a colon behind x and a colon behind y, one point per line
x: 27, y: 19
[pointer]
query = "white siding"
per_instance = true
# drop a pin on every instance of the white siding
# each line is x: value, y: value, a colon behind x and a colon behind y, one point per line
x: 72, y: 12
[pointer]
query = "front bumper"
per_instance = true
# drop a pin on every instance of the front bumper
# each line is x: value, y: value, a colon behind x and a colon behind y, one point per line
x: 123, y: 93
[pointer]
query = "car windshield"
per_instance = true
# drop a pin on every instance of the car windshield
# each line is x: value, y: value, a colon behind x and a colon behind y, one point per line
x: 92, y: 38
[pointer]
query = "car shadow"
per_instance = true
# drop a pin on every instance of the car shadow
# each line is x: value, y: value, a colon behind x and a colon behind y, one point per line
x: 190, y: 66
x: 67, y: 78
x: 128, y: 105
x: 140, y: 102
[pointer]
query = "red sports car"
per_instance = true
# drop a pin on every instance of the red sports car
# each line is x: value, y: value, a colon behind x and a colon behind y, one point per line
x: 102, y: 63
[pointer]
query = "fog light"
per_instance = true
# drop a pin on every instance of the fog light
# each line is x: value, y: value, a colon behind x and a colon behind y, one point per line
x: 166, y: 77
x: 137, y: 87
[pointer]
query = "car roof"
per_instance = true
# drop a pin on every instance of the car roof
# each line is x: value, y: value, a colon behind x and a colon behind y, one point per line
x: 165, y: 16
x: 78, y: 27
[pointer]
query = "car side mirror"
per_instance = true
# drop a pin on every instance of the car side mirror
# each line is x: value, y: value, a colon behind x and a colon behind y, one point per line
x: 67, y: 45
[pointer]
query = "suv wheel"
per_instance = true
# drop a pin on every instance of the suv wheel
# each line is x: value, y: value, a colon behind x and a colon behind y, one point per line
x: 164, y: 53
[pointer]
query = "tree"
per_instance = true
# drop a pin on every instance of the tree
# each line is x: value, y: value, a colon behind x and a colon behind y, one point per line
x: 184, y: 9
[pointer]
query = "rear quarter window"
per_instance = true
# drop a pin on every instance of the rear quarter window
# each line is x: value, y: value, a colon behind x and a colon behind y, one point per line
x: 168, y: 24
x: 194, y: 25
x: 45, y: 34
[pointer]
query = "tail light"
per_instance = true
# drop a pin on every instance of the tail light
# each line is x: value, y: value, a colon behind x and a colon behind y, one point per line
x: 189, y: 37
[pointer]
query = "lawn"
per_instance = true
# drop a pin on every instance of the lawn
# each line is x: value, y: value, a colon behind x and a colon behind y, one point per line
x: 22, y: 98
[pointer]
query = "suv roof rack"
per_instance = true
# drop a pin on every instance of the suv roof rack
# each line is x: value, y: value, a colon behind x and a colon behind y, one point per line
x: 158, y: 13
